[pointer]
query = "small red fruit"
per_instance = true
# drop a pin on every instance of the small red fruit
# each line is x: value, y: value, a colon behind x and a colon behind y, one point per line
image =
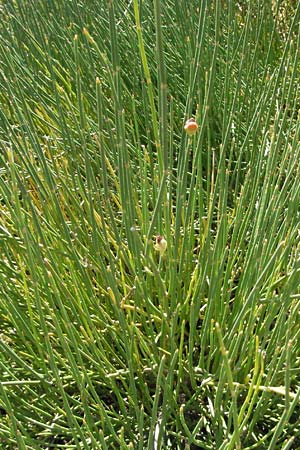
x: 191, y: 127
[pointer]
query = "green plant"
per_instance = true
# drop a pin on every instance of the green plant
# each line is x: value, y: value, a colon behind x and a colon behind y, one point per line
x: 107, y: 342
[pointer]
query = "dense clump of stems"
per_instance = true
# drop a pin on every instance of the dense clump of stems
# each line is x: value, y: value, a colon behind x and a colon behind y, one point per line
x: 149, y: 280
